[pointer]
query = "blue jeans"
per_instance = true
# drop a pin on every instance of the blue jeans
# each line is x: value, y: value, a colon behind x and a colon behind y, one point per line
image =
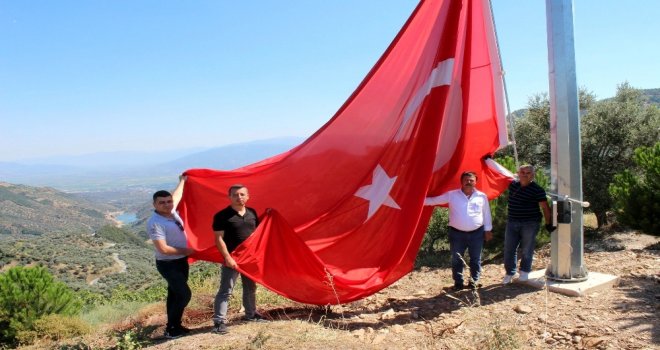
x: 520, y: 234
x: 473, y: 241
x: 175, y: 272
x: 227, y: 281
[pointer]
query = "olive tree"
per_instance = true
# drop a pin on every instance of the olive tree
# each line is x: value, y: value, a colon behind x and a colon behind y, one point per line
x: 636, y: 192
x: 532, y: 129
x: 611, y: 130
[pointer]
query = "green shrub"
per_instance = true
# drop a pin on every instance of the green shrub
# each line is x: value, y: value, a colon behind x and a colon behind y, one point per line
x: 129, y: 340
x: 27, y: 294
x: 204, y: 277
x: 156, y: 292
x: 436, y: 233
x: 29, y: 231
x: 119, y: 235
x: 435, y: 240
x: 636, y: 193
x: 54, y: 327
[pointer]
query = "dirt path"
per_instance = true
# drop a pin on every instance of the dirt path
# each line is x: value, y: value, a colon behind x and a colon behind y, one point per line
x: 118, y: 267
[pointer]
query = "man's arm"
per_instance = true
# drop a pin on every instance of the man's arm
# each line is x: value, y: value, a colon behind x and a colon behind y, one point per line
x: 178, y: 191
x: 547, y: 216
x: 222, y: 248
x: 163, y: 248
x: 437, y: 200
x: 546, y: 212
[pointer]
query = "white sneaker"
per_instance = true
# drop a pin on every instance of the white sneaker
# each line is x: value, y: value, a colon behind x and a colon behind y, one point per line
x: 524, y: 276
x: 507, y: 279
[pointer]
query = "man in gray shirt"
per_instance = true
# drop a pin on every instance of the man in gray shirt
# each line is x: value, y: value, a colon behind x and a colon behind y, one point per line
x: 165, y: 229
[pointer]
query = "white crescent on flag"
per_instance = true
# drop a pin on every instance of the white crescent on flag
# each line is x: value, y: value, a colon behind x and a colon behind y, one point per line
x: 348, y: 212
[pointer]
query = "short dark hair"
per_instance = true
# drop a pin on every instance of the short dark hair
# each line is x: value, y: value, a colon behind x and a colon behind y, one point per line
x: 235, y: 187
x: 161, y: 193
x: 469, y: 174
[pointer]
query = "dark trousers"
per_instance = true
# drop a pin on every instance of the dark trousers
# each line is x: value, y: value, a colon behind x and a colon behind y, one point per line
x: 175, y: 272
x: 459, y: 241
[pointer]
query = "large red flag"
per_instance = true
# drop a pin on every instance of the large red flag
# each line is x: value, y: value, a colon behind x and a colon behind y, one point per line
x: 348, y: 214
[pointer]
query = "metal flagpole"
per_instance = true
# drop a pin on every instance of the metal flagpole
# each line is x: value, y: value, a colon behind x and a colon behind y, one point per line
x: 567, y: 258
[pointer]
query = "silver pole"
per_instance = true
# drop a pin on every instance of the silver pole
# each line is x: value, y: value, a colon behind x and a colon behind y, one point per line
x: 566, y: 159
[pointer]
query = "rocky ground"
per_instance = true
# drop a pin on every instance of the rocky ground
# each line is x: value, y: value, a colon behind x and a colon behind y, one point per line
x: 419, y: 312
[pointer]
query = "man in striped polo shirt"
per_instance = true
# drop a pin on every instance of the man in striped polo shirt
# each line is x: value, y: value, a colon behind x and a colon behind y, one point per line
x: 523, y: 223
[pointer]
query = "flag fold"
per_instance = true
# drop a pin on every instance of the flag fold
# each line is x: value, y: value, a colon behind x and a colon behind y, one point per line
x: 348, y: 212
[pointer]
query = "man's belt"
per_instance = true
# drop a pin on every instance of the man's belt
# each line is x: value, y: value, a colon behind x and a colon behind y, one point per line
x: 461, y: 231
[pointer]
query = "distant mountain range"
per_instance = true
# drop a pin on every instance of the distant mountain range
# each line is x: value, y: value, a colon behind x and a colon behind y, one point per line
x: 137, y: 170
x: 147, y: 171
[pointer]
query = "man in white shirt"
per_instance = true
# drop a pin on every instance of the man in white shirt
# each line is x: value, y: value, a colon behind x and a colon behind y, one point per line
x: 470, y: 224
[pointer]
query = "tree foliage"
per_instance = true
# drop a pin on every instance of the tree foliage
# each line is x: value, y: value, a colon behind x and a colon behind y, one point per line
x: 532, y: 130
x: 27, y: 294
x: 120, y: 235
x: 611, y: 130
x: 636, y: 192
x: 437, y: 230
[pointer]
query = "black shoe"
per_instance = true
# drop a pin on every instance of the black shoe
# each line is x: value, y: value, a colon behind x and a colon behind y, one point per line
x: 220, y: 328
x: 255, y: 318
x: 174, y: 332
x: 185, y: 330
x: 457, y: 287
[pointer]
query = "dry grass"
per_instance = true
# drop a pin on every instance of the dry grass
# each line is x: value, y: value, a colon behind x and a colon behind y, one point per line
x: 419, y: 312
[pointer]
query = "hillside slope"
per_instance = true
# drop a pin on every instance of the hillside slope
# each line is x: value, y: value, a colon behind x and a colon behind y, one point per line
x: 420, y: 312
x: 73, y: 237
x: 26, y: 210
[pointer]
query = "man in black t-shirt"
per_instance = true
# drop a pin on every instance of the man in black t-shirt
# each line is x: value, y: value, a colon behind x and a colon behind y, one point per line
x: 232, y: 226
x: 523, y: 223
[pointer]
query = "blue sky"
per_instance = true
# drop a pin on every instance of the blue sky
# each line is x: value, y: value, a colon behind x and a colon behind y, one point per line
x: 79, y: 77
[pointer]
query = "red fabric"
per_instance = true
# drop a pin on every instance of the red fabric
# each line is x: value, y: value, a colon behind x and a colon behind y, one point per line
x: 348, y: 216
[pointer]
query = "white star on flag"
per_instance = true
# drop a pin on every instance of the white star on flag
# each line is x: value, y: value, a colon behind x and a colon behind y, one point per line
x: 378, y: 193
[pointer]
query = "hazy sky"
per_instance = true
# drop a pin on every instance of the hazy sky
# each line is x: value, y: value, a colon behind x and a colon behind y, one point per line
x: 78, y: 77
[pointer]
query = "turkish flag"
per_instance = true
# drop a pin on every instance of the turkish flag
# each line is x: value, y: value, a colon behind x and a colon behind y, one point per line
x: 348, y: 212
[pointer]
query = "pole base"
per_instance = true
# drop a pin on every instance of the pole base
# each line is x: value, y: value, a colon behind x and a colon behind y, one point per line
x: 572, y: 279
x: 595, y: 282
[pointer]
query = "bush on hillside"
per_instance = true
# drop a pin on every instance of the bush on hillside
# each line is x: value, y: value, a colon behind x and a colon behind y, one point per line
x: 27, y: 294
x: 436, y: 233
x: 636, y: 192
x: 119, y: 235
x: 54, y: 327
